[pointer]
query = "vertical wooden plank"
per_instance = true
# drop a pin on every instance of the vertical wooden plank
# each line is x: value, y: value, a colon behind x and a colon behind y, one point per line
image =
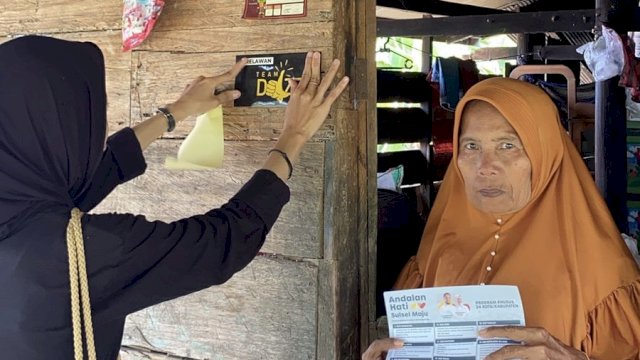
x: 348, y: 177
x: 336, y: 332
x: 367, y: 163
x: 346, y: 237
x: 325, y: 342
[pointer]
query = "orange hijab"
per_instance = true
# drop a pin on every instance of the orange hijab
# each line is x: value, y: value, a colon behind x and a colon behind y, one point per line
x: 562, y: 249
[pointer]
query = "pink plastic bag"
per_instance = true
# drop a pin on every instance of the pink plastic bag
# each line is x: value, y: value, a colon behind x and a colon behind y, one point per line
x: 138, y: 19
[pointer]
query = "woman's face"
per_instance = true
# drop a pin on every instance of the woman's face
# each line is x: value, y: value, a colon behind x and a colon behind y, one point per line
x: 494, y: 165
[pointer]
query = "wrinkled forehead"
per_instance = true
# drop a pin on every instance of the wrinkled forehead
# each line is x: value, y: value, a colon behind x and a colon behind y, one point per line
x: 481, y: 114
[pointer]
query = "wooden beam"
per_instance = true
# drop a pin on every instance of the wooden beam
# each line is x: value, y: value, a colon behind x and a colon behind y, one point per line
x: 438, y: 7
x: 396, y: 86
x: 558, y: 52
x: 242, y: 39
x: 536, y: 22
x: 551, y: 52
x: 457, y: 39
x: 493, y: 53
x: 63, y: 16
x: 404, y: 125
x: 384, y: 12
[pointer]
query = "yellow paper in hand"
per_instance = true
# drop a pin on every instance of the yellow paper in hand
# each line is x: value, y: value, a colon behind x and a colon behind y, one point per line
x: 204, y: 146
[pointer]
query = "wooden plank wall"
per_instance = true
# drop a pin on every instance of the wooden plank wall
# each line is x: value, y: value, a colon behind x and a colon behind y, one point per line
x: 300, y: 298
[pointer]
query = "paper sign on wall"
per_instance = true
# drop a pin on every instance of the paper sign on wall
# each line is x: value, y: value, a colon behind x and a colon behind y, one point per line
x: 263, y: 82
x: 274, y: 9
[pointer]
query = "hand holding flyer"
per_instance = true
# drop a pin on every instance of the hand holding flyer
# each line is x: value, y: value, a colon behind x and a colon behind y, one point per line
x: 443, y: 323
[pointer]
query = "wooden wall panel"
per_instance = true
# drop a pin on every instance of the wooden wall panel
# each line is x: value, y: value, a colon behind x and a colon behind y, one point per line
x: 211, y: 14
x: 59, y: 16
x: 160, y: 78
x: 267, y: 311
x: 280, y: 307
x: 257, y: 36
x: 167, y: 195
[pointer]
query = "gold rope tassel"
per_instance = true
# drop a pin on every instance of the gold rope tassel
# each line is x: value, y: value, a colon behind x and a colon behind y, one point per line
x: 78, y: 276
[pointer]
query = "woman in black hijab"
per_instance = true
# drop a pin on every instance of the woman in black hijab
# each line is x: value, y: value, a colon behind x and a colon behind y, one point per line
x: 54, y: 159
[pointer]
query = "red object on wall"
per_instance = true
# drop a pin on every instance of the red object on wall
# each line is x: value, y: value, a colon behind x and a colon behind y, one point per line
x: 138, y: 19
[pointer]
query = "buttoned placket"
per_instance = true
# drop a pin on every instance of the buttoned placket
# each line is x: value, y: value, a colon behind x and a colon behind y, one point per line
x: 496, y: 238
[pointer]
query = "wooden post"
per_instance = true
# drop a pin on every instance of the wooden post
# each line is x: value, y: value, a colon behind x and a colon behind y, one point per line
x: 346, y: 302
x: 523, y: 49
x: 610, y: 130
x: 368, y: 140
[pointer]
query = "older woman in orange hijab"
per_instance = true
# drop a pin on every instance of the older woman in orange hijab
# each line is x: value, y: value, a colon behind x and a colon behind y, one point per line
x: 518, y: 207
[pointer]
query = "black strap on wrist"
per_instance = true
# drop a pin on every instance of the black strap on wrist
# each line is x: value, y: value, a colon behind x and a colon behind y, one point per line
x: 171, y: 121
x: 286, y: 158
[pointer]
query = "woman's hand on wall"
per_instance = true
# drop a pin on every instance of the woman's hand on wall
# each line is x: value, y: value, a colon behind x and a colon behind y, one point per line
x: 308, y: 108
x: 309, y: 105
x: 200, y: 96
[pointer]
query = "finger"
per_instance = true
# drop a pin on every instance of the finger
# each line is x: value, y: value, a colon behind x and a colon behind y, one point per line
x: 231, y: 74
x: 197, y: 80
x: 529, y: 335
x: 228, y: 96
x: 315, y: 72
x: 328, y: 79
x: 220, y: 89
x: 336, y: 92
x: 378, y: 347
x: 519, y: 352
x: 194, y: 82
x: 306, y: 73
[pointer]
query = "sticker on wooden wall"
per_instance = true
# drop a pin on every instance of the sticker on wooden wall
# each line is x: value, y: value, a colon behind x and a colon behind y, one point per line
x: 263, y: 82
x: 274, y: 9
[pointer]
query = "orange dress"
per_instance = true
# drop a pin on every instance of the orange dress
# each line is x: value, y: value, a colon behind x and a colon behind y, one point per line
x: 576, y: 276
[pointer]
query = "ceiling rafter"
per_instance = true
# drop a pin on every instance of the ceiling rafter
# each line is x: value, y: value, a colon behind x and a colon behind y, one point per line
x: 438, y: 7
